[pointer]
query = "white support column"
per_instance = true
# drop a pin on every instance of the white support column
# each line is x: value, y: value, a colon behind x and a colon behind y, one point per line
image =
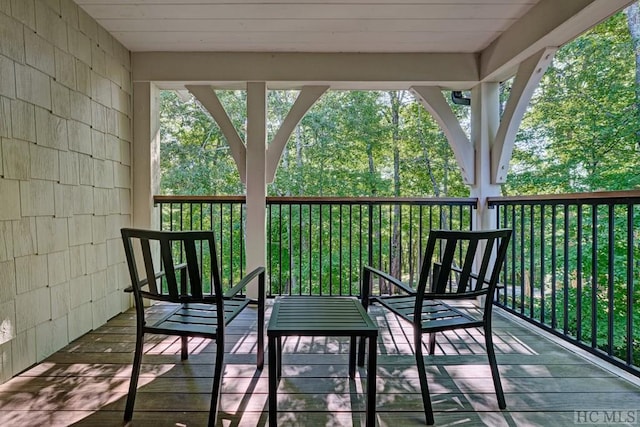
x: 256, y: 178
x: 146, y: 154
x: 485, y: 120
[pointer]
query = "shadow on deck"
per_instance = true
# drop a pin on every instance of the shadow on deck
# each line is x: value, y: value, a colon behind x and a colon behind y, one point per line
x: 545, y: 384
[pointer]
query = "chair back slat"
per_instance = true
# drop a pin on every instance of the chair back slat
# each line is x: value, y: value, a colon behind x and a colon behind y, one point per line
x: 148, y: 265
x: 484, y: 264
x: 467, y: 266
x: 440, y: 282
x: 195, y: 278
x: 170, y: 273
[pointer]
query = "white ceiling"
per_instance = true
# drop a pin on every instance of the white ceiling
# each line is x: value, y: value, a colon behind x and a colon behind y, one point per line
x: 460, y: 26
x: 343, y: 43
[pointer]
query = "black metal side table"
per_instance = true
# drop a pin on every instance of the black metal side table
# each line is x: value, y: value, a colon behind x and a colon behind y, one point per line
x: 320, y: 316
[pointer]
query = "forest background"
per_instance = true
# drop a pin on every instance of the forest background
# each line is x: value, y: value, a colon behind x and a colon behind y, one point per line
x: 581, y: 133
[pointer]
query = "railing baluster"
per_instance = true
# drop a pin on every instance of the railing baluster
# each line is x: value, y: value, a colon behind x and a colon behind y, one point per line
x: 522, y: 260
x: 594, y: 276
x: 565, y: 284
x: 579, y: 275
x: 542, y: 262
x: 611, y: 283
x: 554, y: 253
x: 630, y: 285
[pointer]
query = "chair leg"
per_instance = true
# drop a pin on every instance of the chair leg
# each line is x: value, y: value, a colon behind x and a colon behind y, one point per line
x: 217, y: 379
x: 422, y: 374
x: 502, y: 404
x: 432, y: 343
x: 184, y: 348
x: 135, y: 374
x: 260, y: 357
x: 352, y: 357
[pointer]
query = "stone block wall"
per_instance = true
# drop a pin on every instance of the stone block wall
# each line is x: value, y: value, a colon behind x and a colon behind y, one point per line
x: 65, y: 177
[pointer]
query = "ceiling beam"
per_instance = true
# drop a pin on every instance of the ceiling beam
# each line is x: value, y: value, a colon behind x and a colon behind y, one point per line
x: 291, y: 70
x: 549, y: 23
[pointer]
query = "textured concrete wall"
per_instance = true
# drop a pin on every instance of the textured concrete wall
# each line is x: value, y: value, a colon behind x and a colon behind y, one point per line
x: 65, y: 177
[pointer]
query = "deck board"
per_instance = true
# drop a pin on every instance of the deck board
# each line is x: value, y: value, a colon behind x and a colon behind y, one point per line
x: 85, y: 383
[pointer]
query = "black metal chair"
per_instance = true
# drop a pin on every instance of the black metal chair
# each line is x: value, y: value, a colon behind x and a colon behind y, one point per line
x: 181, y: 270
x: 439, y: 309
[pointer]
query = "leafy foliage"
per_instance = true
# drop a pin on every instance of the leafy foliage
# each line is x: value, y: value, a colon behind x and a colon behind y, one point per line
x: 580, y: 131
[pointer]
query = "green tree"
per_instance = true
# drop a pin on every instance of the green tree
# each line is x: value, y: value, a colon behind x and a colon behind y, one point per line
x: 194, y: 157
x: 580, y: 131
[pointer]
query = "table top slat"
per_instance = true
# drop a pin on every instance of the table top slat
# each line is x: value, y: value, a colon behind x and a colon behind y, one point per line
x: 337, y: 316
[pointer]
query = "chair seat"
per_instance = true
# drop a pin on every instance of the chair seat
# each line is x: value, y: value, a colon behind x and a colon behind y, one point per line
x: 436, y: 315
x: 197, y: 319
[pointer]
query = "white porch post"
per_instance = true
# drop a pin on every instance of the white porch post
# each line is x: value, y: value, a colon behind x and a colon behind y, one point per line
x: 145, y: 159
x: 256, y: 179
x: 485, y: 121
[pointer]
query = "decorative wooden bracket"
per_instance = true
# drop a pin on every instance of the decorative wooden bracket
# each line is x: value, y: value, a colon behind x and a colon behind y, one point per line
x: 433, y: 101
x: 209, y: 100
x: 306, y: 98
x: 527, y: 79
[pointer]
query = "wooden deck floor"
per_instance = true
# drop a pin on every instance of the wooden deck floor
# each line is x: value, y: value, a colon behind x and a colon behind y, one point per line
x: 85, y: 383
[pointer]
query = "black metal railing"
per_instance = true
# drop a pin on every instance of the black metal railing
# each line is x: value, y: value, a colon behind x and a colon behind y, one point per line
x: 573, y: 268
x: 318, y: 245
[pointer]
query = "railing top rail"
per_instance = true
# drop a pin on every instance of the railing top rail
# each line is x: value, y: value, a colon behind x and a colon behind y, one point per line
x: 598, y: 197
x: 471, y: 201
x: 375, y: 200
x: 197, y: 199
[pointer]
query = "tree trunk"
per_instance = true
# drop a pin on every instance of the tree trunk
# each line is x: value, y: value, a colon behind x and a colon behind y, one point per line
x: 633, y: 20
x: 394, y: 256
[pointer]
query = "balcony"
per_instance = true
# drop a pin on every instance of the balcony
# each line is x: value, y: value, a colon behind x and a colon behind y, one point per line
x: 545, y: 382
x: 78, y: 164
x: 572, y: 267
x: 555, y: 369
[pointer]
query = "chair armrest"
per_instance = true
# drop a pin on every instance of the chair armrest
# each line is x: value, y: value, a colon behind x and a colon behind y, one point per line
x: 243, y: 283
x: 391, y: 279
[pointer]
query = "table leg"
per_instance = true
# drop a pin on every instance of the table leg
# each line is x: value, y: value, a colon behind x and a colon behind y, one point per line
x: 352, y: 357
x: 361, y: 351
x: 278, y: 356
x: 273, y: 383
x: 371, y: 383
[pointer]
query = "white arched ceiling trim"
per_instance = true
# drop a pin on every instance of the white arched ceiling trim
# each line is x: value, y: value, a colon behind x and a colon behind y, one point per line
x: 433, y: 101
x: 209, y: 100
x: 527, y: 80
x: 305, y: 100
